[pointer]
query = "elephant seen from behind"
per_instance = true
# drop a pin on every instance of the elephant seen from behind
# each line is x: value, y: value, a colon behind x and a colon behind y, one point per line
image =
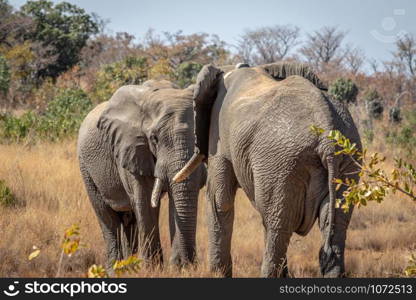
x: 253, y: 126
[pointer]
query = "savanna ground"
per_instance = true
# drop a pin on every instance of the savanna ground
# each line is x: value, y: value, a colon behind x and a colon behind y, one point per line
x: 47, y: 88
x: 45, y: 179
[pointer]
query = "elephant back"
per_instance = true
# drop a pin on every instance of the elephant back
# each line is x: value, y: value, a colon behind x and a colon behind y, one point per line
x: 282, y: 70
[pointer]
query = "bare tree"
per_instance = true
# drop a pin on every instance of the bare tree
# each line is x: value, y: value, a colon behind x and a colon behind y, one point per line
x: 406, y: 52
x: 374, y: 64
x: 267, y: 44
x: 323, y: 46
x: 354, y: 59
x: 197, y: 47
x: 105, y: 49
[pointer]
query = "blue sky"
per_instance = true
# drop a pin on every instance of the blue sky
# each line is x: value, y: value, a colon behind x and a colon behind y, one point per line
x: 372, y: 24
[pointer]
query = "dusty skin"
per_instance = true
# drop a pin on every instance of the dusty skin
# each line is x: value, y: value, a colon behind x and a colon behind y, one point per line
x: 45, y: 177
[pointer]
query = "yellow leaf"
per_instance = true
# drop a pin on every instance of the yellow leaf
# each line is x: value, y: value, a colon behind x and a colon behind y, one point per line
x: 97, y: 272
x: 128, y: 265
x: 34, y: 254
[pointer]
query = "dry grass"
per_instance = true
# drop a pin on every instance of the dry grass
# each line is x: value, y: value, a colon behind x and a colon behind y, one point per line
x: 46, y: 181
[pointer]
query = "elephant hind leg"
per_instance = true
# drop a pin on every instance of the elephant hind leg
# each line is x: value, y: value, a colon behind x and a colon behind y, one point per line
x: 274, y: 258
x: 109, y: 220
x: 331, y: 260
x: 277, y: 206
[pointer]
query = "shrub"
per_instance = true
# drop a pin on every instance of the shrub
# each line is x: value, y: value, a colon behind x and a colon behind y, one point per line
x: 186, y: 73
x: 344, y: 90
x: 6, y: 196
x: 64, y: 114
x: 62, y: 118
x: 17, y: 128
x: 4, y: 75
x: 370, y: 95
x: 375, y: 109
x: 395, y: 115
x: 404, y: 136
x: 131, y: 70
x: 373, y: 103
x: 161, y: 70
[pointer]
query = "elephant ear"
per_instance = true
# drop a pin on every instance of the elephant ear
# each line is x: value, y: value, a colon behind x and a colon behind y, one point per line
x: 121, y: 123
x: 205, y: 93
x: 282, y: 70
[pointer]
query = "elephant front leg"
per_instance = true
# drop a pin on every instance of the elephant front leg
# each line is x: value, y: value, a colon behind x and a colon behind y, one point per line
x: 221, y: 189
x: 130, y: 234
x: 147, y: 219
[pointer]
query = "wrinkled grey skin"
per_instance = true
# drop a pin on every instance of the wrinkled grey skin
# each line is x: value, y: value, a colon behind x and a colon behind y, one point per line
x: 255, y: 130
x: 141, y: 133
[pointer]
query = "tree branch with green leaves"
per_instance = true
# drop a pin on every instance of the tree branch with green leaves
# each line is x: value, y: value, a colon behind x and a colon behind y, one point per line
x: 375, y: 181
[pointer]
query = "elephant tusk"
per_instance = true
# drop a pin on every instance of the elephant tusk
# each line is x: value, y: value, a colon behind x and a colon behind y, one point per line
x: 156, y: 193
x: 189, y: 168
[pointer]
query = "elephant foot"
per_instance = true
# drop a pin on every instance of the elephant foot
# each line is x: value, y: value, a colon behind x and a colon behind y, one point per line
x: 153, y: 261
x: 285, y: 272
x: 181, y: 262
x: 268, y: 271
x: 331, y: 263
x: 271, y: 270
x: 223, y: 269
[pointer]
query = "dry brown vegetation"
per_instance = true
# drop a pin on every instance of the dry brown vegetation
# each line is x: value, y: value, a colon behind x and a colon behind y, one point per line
x: 46, y: 181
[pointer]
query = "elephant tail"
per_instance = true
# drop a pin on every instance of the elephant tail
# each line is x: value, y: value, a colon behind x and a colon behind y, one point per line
x: 332, y: 174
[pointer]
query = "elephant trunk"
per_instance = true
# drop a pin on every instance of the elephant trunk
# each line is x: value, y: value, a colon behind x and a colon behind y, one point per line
x: 184, y: 203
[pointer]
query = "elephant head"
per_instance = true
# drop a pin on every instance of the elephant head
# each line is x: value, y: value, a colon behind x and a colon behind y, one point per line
x: 210, y: 81
x: 150, y: 130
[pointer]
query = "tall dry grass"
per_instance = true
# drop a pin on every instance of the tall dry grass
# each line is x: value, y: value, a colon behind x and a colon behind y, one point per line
x: 48, y: 186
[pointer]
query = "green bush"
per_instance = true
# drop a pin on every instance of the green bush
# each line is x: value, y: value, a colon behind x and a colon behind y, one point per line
x: 370, y: 95
x: 374, y: 104
x: 405, y: 135
x: 344, y: 89
x: 64, y: 114
x: 186, y: 73
x: 17, y: 128
x: 395, y: 115
x: 4, y: 75
x: 131, y: 70
x: 7, y: 198
x: 62, y: 118
x: 375, y: 108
